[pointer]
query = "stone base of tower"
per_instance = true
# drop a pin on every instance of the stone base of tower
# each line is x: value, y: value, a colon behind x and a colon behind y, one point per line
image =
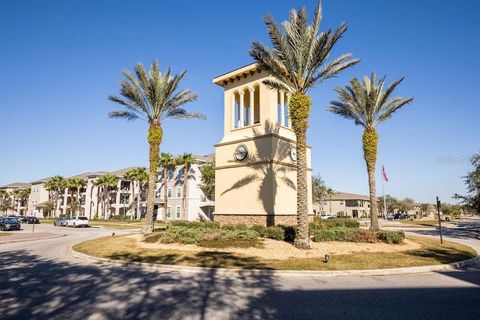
x: 251, y: 219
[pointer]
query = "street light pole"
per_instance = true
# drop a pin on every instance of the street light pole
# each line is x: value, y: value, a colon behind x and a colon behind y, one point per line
x: 439, y: 220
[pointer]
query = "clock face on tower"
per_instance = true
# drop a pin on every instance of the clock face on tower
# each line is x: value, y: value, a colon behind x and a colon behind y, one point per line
x: 293, y: 153
x: 241, y: 152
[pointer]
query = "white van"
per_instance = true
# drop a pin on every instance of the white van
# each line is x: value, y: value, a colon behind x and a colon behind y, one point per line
x: 77, y: 222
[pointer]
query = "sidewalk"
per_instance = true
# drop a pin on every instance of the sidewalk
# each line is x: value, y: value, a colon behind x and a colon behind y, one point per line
x: 14, y: 236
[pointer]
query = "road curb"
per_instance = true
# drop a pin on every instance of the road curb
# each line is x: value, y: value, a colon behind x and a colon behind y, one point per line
x: 283, y: 273
x: 33, y: 239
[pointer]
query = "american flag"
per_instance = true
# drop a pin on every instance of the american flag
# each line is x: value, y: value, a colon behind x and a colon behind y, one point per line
x: 384, y: 174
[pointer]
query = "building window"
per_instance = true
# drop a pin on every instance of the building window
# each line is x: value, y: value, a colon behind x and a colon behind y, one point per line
x: 170, y: 174
x: 169, y: 212
x: 325, y: 203
x: 179, y: 192
x: 169, y: 193
x: 178, y: 212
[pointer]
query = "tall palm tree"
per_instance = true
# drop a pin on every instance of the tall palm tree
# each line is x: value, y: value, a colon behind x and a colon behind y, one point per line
x: 24, y: 195
x: 107, y: 183
x: 329, y: 192
x: 367, y: 104
x: 74, y: 185
x: 15, y: 195
x: 153, y: 97
x: 298, y: 62
x: 55, y: 184
x: 186, y: 160
x: 138, y: 175
x: 166, y: 161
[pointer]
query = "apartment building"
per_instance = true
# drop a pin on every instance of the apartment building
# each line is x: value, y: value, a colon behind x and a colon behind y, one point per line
x: 127, y: 198
x: 345, y: 204
x: 18, y: 205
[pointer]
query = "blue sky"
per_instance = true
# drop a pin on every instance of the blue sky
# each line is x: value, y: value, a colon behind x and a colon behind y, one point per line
x: 60, y: 60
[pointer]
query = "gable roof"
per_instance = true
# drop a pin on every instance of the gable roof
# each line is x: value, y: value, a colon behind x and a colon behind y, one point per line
x: 349, y: 196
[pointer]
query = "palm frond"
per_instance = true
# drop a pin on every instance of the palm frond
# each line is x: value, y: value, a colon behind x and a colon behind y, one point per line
x: 123, y: 115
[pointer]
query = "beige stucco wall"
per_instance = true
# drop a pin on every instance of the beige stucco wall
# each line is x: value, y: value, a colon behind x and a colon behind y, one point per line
x: 264, y: 183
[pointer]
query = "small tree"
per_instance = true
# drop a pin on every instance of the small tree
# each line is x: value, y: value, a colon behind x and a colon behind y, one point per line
x: 208, y: 180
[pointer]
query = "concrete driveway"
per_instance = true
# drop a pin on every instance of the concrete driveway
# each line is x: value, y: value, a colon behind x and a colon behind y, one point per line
x: 40, y: 280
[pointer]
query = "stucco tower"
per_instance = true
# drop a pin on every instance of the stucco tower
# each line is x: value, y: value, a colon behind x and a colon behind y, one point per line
x: 255, y: 176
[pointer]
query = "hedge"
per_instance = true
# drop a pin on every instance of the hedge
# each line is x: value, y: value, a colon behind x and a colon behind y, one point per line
x: 356, y: 235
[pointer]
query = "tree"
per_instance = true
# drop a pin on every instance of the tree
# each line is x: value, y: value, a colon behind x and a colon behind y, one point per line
x: 368, y: 104
x: 318, y: 189
x: 15, y: 198
x: 5, y: 201
x: 472, y: 181
x: 55, y: 185
x: 153, y: 97
x: 186, y: 160
x: 330, y: 193
x: 166, y: 161
x: 48, y: 207
x: 298, y: 62
x: 24, y: 195
x: 74, y: 185
x: 106, y: 182
x: 208, y: 180
x: 138, y: 175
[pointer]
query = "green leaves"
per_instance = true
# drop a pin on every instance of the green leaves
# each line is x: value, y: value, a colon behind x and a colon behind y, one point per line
x: 152, y: 95
x: 299, y: 53
x: 366, y: 102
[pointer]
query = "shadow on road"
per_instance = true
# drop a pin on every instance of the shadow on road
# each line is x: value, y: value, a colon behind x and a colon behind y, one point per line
x: 35, y: 288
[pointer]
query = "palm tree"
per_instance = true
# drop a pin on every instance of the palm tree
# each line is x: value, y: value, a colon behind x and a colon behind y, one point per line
x: 166, y: 161
x: 185, y: 159
x: 74, y: 185
x: 329, y: 192
x: 368, y: 104
x: 55, y: 184
x: 138, y: 175
x: 153, y: 97
x: 298, y: 62
x: 106, y: 182
x: 15, y: 195
x: 24, y: 195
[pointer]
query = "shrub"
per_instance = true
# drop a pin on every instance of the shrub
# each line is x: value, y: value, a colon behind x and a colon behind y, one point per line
x: 335, y: 223
x: 239, y: 226
x: 228, y: 226
x: 195, y: 224
x: 259, y: 229
x: 290, y: 233
x: 276, y: 233
x: 237, y: 234
x: 390, y: 237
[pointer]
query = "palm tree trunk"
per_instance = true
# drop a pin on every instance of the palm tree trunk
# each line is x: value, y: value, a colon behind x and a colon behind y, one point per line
x: 370, y: 141
x: 154, y: 139
x: 139, y: 200
x: 132, y: 203
x: 165, y: 189
x: 185, y: 190
x: 299, y: 111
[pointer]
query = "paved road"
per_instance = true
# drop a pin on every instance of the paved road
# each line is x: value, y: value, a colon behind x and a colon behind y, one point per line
x: 39, y: 280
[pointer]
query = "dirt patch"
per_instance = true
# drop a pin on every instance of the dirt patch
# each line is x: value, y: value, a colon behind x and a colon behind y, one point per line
x: 279, y: 250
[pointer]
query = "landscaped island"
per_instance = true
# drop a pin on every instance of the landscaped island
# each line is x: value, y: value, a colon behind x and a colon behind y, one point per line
x: 257, y: 247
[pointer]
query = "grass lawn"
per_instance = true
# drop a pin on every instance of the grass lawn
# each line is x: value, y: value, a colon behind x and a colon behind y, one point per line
x: 429, y: 253
x: 116, y: 225
x: 3, y: 234
x: 424, y: 223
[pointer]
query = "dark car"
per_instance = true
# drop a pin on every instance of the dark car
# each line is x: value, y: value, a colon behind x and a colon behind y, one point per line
x: 9, y: 224
x: 400, y: 216
x: 31, y: 220
x: 60, y: 222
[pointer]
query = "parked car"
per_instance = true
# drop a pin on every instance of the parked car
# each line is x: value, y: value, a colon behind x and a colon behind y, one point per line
x: 325, y: 216
x: 400, y: 216
x: 21, y: 219
x: 8, y: 223
x: 77, y: 222
x: 60, y: 222
x: 31, y: 220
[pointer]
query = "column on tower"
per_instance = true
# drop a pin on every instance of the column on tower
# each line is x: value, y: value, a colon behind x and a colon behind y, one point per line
x: 242, y: 110
x: 282, y: 108
x: 251, y: 107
